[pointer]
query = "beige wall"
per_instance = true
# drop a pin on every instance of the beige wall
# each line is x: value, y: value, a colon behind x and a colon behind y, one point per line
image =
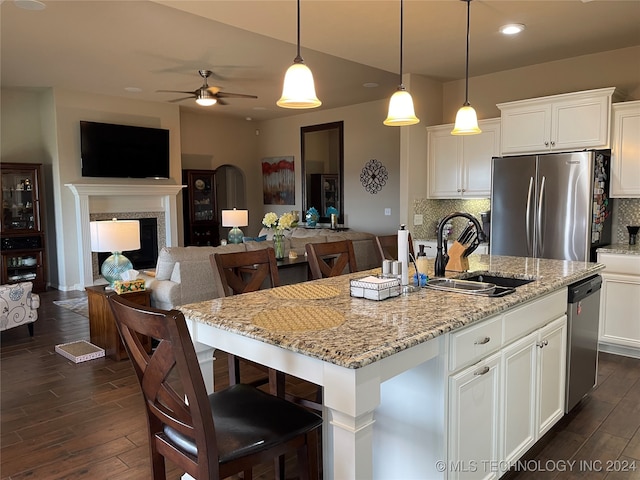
x: 209, y: 141
x: 365, y: 138
x: 616, y: 68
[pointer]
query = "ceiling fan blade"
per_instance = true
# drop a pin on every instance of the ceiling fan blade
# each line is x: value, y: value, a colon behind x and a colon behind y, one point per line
x: 234, y: 95
x: 177, y: 91
x: 221, y: 102
x: 213, y: 89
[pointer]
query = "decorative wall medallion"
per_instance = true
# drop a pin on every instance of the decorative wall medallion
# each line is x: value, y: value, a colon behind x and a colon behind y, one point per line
x: 374, y: 176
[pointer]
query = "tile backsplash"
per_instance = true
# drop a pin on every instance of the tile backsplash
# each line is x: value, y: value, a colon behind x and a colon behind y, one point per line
x: 433, y: 210
x: 625, y: 211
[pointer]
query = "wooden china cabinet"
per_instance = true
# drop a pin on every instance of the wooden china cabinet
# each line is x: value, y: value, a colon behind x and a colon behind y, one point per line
x: 201, y: 224
x: 22, y: 232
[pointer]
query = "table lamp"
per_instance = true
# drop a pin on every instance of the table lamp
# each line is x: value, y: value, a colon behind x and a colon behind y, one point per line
x: 235, y: 218
x: 115, y: 236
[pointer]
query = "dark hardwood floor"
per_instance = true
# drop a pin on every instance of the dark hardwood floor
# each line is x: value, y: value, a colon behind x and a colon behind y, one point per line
x: 60, y: 420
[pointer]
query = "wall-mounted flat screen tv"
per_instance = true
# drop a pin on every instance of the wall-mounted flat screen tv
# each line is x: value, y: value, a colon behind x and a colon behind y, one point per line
x: 123, y: 151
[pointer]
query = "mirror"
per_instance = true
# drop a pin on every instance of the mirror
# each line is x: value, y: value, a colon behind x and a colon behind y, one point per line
x: 322, y: 162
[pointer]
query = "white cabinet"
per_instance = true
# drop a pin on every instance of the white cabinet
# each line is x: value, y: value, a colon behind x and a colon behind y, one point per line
x: 620, y: 304
x: 519, y: 429
x: 552, y: 360
x: 474, y: 399
x: 533, y: 386
x: 566, y: 122
x: 460, y: 165
x: 506, y: 386
x: 625, y: 150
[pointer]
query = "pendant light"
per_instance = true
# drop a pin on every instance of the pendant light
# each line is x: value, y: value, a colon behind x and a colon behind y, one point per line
x: 466, y: 118
x: 298, y: 90
x: 401, y: 110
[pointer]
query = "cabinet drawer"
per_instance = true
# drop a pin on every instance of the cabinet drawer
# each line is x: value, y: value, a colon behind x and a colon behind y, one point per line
x: 534, y: 315
x: 472, y: 343
x: 620, y: 263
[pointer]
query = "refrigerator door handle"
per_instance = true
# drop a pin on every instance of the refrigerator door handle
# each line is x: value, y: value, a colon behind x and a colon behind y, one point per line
x: 540, y: 240
x: 528, y: 218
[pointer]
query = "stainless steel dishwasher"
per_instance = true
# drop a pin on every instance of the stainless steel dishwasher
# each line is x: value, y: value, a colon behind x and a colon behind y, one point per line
x: 583, y: 318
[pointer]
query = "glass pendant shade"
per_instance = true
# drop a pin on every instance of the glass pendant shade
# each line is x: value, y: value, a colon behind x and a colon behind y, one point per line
x: 466, y: 121
x: 401, y: 110
x: 299, y: 90
x: 206, y: 102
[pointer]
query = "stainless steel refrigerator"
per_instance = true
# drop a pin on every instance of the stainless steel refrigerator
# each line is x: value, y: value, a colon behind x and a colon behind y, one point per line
x: 554, y: 205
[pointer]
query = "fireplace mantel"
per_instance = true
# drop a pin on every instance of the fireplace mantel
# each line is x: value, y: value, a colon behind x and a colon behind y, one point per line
x: 164, y: 195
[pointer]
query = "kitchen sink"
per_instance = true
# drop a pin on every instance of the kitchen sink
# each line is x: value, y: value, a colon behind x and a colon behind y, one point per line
x: 499, y: 281
x: 461, y: 286
x: 479, y: 284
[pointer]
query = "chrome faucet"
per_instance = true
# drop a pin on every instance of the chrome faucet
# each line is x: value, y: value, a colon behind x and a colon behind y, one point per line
x: 441, y: 257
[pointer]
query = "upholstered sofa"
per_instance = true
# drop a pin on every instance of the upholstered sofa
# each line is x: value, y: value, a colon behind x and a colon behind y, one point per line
x: 184, y: 275
x: 18, y: 306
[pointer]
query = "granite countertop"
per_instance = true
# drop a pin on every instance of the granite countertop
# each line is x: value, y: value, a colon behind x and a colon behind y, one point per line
x: 321, y: 320
x: 621, y: 248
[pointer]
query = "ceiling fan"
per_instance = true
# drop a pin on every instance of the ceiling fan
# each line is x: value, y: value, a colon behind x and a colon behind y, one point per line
x: 206, y: 95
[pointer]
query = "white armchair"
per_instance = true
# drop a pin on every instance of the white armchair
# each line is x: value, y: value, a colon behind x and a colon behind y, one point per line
x: 18, y: 306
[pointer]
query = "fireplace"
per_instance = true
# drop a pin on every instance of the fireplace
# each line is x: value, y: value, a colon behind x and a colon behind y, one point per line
x: 147, y: 256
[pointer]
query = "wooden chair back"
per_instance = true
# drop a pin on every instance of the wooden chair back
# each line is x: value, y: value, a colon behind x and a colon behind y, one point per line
x: 330, y: 259
x: 185, y: 409
x: 387, y: 247
x: 243, y: 272
x: 181, y: 414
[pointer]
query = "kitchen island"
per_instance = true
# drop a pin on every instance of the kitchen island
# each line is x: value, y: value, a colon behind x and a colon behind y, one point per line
x: 390, y: 369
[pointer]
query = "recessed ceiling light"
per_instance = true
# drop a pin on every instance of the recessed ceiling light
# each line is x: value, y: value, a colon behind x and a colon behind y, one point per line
x: 370, y: 85
x: 29, y: 4
x: 512, y: 28
x: 133, y: 89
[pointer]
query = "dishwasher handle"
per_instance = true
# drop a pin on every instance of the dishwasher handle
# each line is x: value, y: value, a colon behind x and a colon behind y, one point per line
x: 581, y: 290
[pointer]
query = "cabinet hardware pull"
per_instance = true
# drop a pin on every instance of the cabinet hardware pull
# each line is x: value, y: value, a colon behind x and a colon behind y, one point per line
x: 482, y: 371
x: 546, y: 144
x: 482, y: 341
x: 543, y: 343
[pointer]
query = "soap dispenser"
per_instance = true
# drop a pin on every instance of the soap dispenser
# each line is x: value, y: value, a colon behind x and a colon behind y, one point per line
x: 422, y: 265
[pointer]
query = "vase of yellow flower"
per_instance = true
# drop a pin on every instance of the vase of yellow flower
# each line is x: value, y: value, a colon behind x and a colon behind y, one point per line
x: 284, y: 222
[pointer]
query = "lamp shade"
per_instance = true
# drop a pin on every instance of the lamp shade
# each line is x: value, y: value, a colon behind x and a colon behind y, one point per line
x: 466, y: 122
x: 401, y: 110
x: 299, y: 90
x: 235, y: 218
x: 115, y: 235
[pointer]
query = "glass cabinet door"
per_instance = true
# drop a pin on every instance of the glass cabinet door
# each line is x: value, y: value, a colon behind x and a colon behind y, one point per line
x: 203, y: 197
x: 19, y: 201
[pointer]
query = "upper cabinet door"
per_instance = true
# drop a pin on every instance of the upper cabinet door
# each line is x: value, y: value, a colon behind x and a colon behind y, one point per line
x: 460, y: 165
x: 625, y: 150
x: 20, y: 199
x: 559, y: 123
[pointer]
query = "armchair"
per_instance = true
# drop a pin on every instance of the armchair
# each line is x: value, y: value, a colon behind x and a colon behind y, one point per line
x: 18, y: 306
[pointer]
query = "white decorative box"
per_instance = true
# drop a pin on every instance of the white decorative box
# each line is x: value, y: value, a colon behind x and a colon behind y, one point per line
x: 375, y: 288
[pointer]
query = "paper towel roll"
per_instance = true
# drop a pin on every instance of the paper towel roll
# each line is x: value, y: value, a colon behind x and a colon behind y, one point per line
x: 403, y: 254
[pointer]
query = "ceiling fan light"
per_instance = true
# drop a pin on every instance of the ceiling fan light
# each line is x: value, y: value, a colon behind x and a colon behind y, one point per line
x: 466, y: 121
x: 401, y: 112
x: 299, y: 90
x: 206, y: 102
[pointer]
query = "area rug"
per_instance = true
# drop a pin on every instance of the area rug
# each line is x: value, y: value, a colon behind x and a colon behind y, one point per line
x: 80, y: 351
x: 77, y: 305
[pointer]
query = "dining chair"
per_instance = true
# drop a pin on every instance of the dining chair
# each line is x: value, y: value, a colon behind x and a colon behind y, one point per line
x: 387, y: 247
x: 243, y: 272
x: 330, y: 259
x: 208, y: 436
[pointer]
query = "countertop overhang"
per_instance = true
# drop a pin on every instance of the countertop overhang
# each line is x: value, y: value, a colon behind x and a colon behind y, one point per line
x: 365, y: 331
